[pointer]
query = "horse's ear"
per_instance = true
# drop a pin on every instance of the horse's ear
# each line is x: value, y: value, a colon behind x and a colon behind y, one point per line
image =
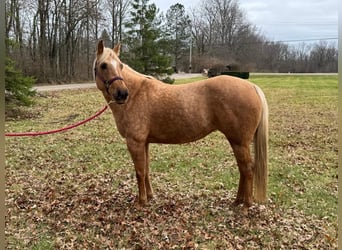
x: 117, y: 49
x: 100, y: 47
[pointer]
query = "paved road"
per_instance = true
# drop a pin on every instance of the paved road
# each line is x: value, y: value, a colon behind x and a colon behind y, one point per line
x: 175, y: 76
x: 92, y: 84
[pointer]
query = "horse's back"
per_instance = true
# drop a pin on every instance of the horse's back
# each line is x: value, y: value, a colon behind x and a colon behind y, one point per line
x: 230, y: 93
x: 183, y: 113
x: 230, y: 85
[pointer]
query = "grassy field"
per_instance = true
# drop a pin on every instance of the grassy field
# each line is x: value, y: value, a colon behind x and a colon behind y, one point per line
x: 76, y: 190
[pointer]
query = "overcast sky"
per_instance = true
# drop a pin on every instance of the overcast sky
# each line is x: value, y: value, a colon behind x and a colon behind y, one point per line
x: 285, y: 20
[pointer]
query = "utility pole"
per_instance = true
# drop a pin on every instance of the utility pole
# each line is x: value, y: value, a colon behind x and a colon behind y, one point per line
x: 190, y: 59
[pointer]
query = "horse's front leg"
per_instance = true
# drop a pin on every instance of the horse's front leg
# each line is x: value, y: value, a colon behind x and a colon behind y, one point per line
x: 148, y: 185
x: 139, y: 156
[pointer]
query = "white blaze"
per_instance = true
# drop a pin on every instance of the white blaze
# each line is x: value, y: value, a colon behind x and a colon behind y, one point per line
x: 114, y: 63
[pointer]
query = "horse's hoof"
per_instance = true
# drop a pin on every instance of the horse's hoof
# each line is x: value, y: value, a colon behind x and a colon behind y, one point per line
x: 237, y: 202
x: 150, y: 197
x: 244, y: 210
x: 139, y: 206
x: 143, y: 203
x: 138, y: 203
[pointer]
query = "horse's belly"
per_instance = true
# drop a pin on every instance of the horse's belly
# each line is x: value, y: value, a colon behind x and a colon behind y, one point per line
x: 176, y: 139
x: 181, y: 132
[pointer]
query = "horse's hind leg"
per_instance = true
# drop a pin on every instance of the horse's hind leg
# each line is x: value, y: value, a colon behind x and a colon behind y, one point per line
x: 245, y: 163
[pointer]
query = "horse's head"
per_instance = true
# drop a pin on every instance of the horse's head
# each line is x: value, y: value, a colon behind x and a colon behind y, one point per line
x: 108, y: 75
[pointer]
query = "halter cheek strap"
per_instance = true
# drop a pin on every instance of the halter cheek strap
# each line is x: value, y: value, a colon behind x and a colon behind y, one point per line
x: 109, y: 82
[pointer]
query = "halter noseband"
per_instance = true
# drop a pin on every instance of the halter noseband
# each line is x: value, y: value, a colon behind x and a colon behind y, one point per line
x: 109, y: 82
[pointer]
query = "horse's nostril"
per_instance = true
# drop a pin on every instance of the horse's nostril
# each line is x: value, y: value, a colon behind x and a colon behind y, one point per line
x: 121, y: 95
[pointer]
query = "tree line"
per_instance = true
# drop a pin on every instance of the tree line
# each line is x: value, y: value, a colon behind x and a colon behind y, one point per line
x: 55, y: 40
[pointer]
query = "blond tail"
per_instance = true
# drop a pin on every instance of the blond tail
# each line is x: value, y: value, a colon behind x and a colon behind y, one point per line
x: 261, y: 153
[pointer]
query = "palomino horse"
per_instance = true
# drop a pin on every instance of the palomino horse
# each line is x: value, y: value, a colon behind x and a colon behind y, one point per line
x: 149, y: 111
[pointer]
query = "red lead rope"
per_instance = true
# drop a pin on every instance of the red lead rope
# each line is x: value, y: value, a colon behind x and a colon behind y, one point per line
x: 61, y: 129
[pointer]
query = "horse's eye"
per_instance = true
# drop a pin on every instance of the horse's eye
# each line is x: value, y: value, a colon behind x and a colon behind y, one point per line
x: 121, y: 65
x: 103, y: 66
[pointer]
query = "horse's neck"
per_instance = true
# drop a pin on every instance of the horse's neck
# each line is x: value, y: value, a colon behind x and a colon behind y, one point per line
x: 132, y: 72
x: 133, y: 75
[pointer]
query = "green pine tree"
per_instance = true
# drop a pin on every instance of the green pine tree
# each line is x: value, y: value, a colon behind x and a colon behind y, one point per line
x: 178, y: 30
x: 148, y: 50
x: 18, y: 88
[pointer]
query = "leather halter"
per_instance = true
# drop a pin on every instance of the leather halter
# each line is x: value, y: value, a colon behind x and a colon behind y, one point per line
x: 109, y: 82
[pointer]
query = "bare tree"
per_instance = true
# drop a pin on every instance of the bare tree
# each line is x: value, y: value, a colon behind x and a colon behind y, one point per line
x: 323, y: 58
x: 118, y: 11
x: 54, y: 40
x: 199, y: 32
x: 220, y: 29
x: 13, y: 20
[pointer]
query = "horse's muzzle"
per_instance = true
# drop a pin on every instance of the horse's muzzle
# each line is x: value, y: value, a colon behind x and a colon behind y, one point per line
x: 120, y: 96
